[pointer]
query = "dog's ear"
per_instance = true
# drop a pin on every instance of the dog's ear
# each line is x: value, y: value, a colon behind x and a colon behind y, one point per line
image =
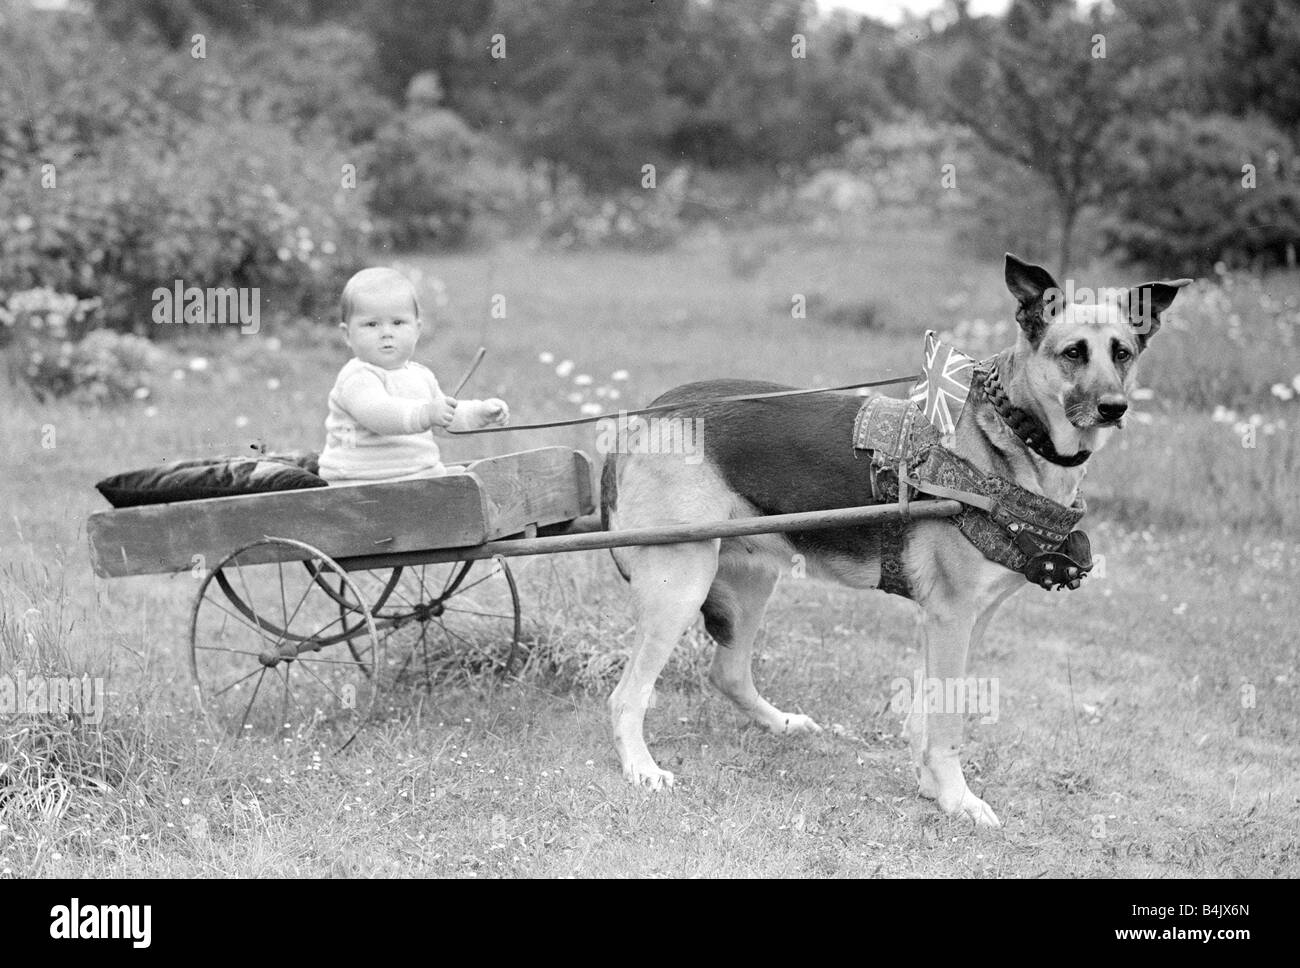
x: 1030, y: 284
x: 1145, y: 304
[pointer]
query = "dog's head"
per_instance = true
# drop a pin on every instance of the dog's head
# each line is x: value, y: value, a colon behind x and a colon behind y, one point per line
x: 1077, y: 355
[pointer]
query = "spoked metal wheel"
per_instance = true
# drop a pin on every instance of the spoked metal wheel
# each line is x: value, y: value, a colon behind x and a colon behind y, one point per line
x: 260, y: 642
x: 437, y: 621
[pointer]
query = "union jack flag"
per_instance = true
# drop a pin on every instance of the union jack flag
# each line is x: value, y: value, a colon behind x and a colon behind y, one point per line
x: 945, y: 383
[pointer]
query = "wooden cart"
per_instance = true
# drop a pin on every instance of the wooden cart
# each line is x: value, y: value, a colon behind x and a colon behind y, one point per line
x: 380, y: 569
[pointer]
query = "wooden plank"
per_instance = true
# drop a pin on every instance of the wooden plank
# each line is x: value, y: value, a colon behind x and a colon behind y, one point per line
x: 585, y: 472
x: 584, y: 540
x: 398, y: 516
x: 496, y: 497
x: 536, y: 487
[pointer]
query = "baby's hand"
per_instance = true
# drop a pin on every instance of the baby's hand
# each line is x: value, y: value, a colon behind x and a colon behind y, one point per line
x: 442, y: 412
x: 495, y: 411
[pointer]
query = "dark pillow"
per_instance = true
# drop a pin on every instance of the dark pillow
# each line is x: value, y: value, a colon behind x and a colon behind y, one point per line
x: 191, y: 480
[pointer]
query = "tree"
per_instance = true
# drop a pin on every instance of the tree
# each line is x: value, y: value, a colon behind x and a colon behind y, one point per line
x: 1181, y: 201
x: 1035, y: 91
x: 1258, y: 63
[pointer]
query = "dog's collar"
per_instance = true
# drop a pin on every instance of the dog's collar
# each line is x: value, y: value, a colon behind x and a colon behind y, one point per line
x: 1023, y: 423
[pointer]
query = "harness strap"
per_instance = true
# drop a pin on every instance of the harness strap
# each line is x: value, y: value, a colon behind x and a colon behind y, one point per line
x: 951, y: 493
x: 660, y: 408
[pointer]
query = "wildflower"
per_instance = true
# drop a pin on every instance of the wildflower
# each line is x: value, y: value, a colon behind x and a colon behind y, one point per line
x: 574, y: 397
x: 198, y: 364
x: 582, y: 380
x: 546, y: 357
x: 565, y: 368
x: 618, y: 375
x: 590, y: 409
x: 273, y: 384
x: 241, y: 421
x: 1143, y: 393
x: 141, y: 393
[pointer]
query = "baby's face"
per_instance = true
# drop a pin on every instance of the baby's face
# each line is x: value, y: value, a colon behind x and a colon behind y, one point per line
x: 383, y: 327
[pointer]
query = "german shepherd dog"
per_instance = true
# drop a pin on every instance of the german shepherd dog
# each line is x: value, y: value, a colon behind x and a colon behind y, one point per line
x: 1072, y: 368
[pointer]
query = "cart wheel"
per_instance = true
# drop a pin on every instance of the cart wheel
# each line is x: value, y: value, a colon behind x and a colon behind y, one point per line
x: 438, y: 620
x: 258, y: 642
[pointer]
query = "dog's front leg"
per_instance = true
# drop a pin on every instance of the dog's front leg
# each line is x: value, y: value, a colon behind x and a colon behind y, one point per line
x: 934, y: 728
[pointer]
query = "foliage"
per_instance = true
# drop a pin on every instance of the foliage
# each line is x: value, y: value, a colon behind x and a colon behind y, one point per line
x: 1037, y: 93
x: 900, y: 165
x: 317, y: 80
x: 417, y: 36
x: 1179, y: 200
x: 41, y: 327
x: 646, y: 219
x: 1254, y: 61
x: 240, y: 206
x: 432, y: 174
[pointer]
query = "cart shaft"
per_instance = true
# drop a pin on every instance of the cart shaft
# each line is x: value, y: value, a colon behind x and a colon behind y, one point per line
x: 576, y: 540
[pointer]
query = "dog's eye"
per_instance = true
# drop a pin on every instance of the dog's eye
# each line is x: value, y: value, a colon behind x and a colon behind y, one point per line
x: 1074, y: 352
x: 1123, y: 354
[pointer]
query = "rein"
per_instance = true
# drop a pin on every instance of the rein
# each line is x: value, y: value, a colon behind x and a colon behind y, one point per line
x: 660, y: 408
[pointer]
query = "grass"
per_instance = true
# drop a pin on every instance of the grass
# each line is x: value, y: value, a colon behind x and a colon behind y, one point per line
x: 1148, y: 721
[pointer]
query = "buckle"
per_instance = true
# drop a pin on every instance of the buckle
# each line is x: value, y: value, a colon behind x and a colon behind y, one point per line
x: 1065, y: 567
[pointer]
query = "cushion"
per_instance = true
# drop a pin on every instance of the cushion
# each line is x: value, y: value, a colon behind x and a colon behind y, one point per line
x: 192, y: 480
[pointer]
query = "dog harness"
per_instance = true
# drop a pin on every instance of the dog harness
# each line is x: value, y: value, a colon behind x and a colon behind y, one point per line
x: 1009, y: 524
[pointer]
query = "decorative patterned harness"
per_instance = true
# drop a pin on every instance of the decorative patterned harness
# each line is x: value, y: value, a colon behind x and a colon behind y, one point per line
x: 1015, y: 527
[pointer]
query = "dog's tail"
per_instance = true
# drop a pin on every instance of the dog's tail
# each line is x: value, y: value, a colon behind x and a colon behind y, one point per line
x: 609, y: 501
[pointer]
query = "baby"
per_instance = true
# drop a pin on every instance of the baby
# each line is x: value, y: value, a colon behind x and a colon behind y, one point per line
x: 383, y: 405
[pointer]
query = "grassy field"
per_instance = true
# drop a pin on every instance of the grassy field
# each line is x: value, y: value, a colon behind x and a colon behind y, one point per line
x: 1148, y: 722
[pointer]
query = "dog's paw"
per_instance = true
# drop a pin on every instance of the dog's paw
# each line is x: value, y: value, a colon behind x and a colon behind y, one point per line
x: 972, y: 807
x: 648, y: 775
x: 795, y: 723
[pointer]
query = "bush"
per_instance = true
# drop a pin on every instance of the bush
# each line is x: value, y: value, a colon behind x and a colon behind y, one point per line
x: 41, y: 326
x: 646, y: 219
x: 899, y: 165
x: 1178, y: 202
x: 314, y: 79
x: 433, y: 175
x: 241, y: 205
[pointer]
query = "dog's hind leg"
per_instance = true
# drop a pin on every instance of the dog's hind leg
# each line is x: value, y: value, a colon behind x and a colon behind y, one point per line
x: 669, y: 584
x: 733, y: 613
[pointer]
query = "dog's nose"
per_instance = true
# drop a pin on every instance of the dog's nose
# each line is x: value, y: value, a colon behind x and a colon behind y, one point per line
x: 1112, y: 408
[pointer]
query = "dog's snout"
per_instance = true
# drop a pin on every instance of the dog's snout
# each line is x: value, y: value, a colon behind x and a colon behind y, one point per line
x: 1112, y: 408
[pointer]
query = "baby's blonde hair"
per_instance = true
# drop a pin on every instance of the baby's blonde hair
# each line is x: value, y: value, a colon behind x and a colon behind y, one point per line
x: 376, y: 277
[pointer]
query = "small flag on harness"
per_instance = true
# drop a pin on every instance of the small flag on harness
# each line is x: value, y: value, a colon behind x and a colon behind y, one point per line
x: 945, y: 383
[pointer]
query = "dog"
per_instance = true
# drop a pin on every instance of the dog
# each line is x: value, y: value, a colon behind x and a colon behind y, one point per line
x: 1071, y: 371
